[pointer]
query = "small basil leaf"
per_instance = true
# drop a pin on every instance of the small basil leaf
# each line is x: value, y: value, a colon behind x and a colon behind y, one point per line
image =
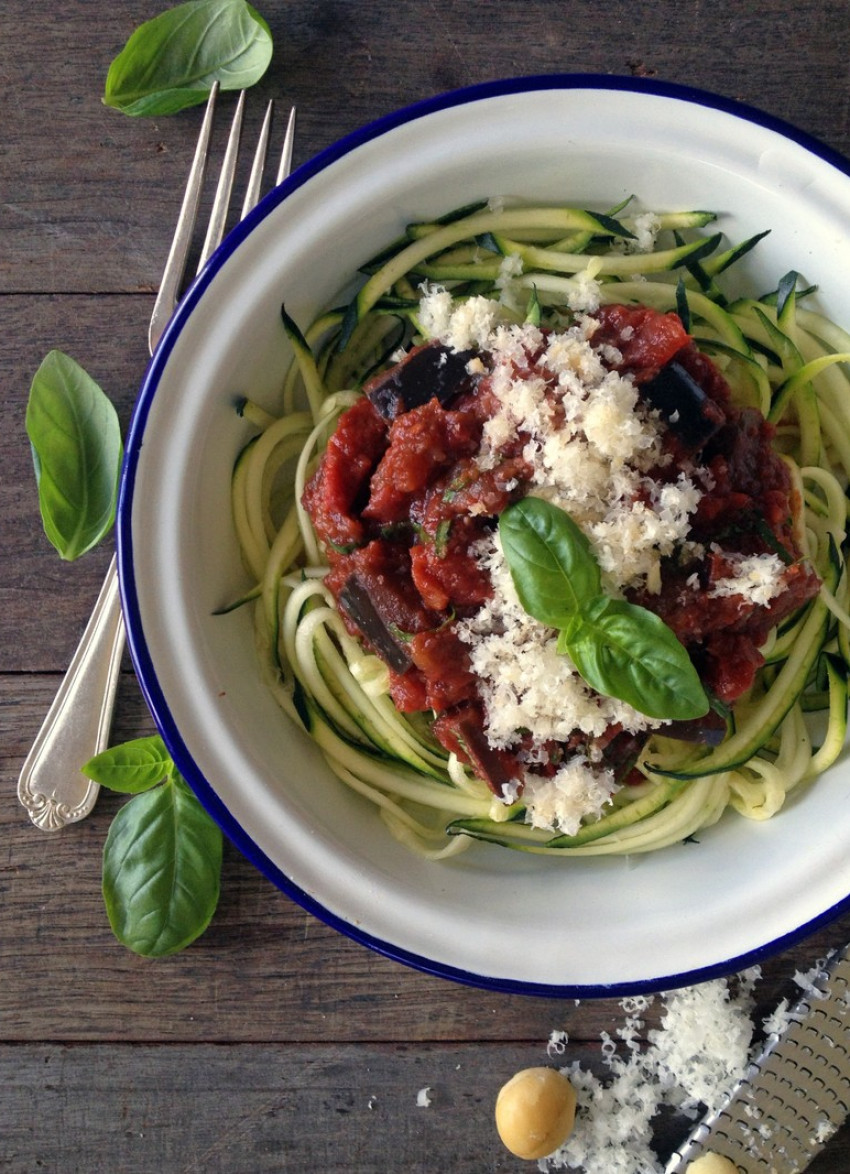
x: 551, y: 563
x: 131, y: 767
x: 627, y: 652
x: 161, y: 871
x: 171, y: 62
x: 76, y: 447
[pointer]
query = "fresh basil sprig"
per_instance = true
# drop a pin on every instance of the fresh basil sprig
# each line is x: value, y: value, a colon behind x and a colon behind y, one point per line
x: 171, y: 62
x: 618, y: 648
x: 76, y: 446
x: 162, y: 856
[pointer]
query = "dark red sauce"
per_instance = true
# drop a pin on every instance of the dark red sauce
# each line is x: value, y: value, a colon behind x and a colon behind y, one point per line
x: 399, y: 501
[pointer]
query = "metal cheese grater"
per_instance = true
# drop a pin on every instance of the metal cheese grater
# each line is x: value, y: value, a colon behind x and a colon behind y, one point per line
x: 795, y: 1096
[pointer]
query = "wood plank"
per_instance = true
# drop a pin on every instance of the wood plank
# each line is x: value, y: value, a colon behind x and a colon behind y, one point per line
x: 271, y: 1108
x: 89, y: 195
x: 262, y: 1046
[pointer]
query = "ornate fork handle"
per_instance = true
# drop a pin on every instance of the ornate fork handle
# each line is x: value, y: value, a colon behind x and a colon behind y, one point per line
x: 51, y: 786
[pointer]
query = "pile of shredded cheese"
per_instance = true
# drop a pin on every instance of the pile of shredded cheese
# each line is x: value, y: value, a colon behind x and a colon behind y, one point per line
x: 693, y: 1060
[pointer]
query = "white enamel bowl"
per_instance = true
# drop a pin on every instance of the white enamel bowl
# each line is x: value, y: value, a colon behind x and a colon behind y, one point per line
x: 491, y: 917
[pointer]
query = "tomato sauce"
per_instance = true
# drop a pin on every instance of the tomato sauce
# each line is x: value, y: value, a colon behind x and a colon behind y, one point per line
x: 400, y: 503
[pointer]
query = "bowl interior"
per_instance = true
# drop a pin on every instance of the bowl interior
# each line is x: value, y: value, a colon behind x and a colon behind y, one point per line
x: 490, y: 916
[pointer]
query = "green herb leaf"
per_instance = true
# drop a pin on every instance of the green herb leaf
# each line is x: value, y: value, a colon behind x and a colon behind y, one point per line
x: 76, y: 446
x: 550, y: 561
x: 171, y: 62
x: 628, y: 652
x: 131, y: 767
x: 619, y: 649
x: 161, y: 870
x: 441, y: 537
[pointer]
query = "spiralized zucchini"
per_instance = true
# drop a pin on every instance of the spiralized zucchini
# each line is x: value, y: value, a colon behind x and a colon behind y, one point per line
x: 775, y: 353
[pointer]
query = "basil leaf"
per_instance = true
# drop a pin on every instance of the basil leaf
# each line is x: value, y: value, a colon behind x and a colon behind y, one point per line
x: 620, y: 649
x: 171, y: 62
x: 161, y: 870
x: 551, y: 563
x: 76, y: 447
x: 627, y: 652
x: 131, y: 767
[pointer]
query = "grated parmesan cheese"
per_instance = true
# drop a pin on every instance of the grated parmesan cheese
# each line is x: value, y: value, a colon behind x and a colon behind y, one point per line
x: 695, y: 1057
x: 563, y: 801
x: 583, y: 289
x: 757, y: 578
x: 462, y: 325
x: 557, y: 1044
x: 645, y: 227
x: 704, y: 1045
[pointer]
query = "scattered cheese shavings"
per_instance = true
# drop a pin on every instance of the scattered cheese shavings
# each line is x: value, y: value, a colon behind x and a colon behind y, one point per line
x: 423, y: 1097
x: 645, y: 227
x: 779, y: 1019
x: 557, y: 1044
x: 695, y: 1057
x: 460, y: 325
x: 692, y: 1061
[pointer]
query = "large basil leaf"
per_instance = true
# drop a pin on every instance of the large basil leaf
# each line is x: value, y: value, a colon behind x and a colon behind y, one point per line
x: 171, y: 62
x: 619, y: 649
x: 131, y: 767
x: 76, y: 446
x: 161, y: 870
x: 550, y: 560
x: 627, y: 652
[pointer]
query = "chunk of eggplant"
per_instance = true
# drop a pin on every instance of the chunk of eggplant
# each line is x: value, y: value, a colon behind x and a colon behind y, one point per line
x: 692, y: 416
x: 427, y: 371
x: 355, y: 600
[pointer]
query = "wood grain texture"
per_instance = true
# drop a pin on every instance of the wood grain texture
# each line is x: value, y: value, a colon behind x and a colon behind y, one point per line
x: 263, y: 1045
x: 264, y: 971
x: 89, y: 195
x: 257, y: 1109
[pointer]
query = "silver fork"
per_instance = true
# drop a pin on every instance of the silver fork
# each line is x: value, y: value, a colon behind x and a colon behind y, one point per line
x: 51, y: 786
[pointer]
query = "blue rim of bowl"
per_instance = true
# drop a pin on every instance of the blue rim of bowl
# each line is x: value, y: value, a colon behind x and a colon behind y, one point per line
x: 140, y: 654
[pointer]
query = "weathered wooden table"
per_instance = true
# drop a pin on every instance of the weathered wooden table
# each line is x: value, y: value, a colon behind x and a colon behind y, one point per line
x: 273, y: 1043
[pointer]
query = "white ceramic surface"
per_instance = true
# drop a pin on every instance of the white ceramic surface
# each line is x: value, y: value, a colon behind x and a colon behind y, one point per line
x: 490, y: 917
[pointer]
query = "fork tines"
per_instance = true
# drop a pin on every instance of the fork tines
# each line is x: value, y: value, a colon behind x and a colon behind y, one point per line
x: 175, y: 266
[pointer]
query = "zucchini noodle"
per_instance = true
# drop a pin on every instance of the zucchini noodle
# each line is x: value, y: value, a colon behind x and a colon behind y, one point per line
x: 787, y: 360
